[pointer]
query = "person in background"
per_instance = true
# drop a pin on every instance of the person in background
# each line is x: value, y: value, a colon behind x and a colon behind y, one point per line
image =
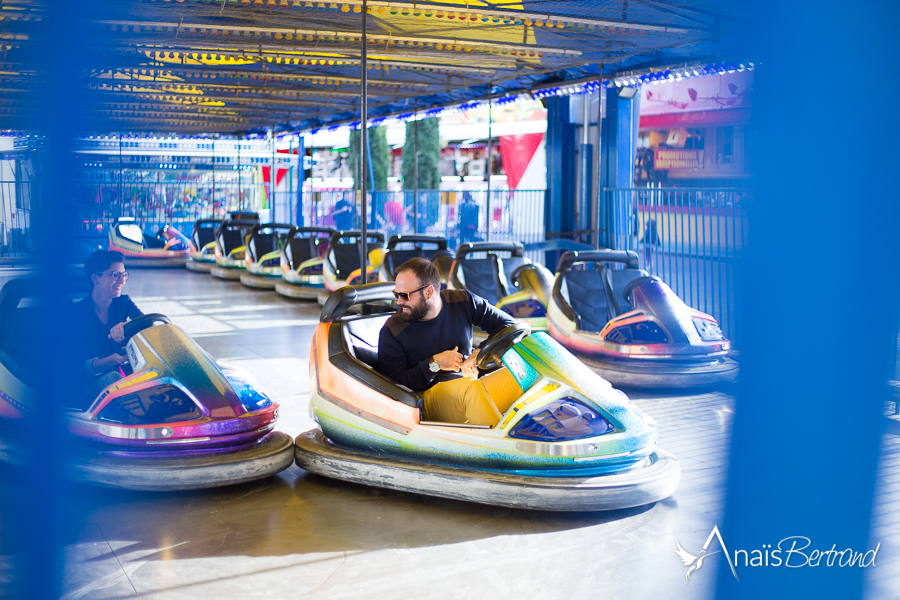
x: 100, y: 319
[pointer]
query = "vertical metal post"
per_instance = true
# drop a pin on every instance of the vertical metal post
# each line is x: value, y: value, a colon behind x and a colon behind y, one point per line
x: 587, y: 167
x: 363, y: 140
x: 595, y: 197
x: 291, y: 218
x: 240, y: 178
x: 214, y: 178
x: 416, y: 166
x: 490, y: 160
x: 120, y: 175
x: 272, y: 180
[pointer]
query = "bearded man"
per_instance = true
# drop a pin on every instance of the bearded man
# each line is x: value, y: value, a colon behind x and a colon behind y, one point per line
x: 427, y: 346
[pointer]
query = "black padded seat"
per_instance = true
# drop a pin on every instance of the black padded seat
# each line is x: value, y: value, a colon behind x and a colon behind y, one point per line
x: 300, y: 250
x: 509, y: 267
x: 204, y: 235
x: 586, y: 292
x: 619, y: 279
x: 361, y: 338
x: 346, y: 258
x: 231, y: 239
x: 265, y: 243
x: 24, y: 354
x: 482, y: 277
x: 395, y: 258
x: 154, y: 242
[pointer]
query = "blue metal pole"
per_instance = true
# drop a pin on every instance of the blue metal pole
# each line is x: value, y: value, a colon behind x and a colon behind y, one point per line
x: 301, y: 177
x: 808, y: 423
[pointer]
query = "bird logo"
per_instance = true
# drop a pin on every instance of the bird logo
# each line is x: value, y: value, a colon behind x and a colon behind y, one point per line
x: 688, y: 559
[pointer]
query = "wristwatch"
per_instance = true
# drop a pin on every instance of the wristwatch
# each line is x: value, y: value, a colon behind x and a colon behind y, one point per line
x: 433, y: 366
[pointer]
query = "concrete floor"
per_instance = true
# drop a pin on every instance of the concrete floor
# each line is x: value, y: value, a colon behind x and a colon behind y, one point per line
x: 299, y: 535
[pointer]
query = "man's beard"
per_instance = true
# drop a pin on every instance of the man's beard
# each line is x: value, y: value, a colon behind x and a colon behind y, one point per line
x: 416, y: 312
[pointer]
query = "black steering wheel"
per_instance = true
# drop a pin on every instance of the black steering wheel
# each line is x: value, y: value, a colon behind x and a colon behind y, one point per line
x: 136, y: 326
x: 491, y: 354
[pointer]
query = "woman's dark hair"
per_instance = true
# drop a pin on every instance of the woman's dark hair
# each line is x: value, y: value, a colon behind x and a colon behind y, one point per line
x: 101, y: 260
x: 424, y: 270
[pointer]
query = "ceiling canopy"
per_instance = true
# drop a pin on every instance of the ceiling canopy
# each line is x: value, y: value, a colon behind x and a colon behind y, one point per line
x: 231, y: 66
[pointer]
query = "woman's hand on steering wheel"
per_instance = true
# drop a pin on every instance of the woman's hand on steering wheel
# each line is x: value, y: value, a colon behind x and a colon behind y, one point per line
x: 135, y: 326
x: 117, y: 332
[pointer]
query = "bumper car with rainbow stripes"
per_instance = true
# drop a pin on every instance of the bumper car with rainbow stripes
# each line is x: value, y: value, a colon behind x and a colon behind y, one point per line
x: 570, y: 442
x: 169, y: 248
x: 180, y: 420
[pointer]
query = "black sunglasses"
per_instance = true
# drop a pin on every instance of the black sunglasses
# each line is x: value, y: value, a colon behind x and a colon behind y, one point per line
x: 406, y: 295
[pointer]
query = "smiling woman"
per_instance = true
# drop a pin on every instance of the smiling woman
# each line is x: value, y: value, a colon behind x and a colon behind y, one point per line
x: 99, y: 320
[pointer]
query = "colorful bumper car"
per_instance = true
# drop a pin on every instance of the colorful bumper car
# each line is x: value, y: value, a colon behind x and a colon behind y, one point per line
x: 169, y: 248
x: 510, y: 282
x: 302, y: 259
x: 231, y: 244
x: 632, y: 328
x: 203, y: 245
x: 342, y: 264
x: 179, y: 421
x: 571, y: 442
x: 263, y: 254
x: 401, y: 248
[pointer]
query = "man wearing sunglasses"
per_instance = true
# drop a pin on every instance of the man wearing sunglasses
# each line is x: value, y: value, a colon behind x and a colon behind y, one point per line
x: 427, y: 346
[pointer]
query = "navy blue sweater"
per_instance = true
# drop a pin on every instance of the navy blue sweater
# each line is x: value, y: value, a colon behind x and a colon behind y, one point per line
x: 405, y: 348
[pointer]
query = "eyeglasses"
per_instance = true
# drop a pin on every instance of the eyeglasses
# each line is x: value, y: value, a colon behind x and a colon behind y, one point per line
x: 406, y: 295
x: 116, y: 275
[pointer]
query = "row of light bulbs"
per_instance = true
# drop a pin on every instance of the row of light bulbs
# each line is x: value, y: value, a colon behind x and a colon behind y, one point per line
x: 386, y: 8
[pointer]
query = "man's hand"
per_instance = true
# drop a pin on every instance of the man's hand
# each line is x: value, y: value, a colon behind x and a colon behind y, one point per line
x: 117, y: 333
x: 469, y: 367
x: 449, y: 360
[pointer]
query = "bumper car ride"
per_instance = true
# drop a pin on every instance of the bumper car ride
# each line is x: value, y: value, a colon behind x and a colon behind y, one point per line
x: 301, y: 263
x: 203, y: 245
x: 231, y: 245
x: 263, y: 255
x: 632, y: 328
x: 180, y: 421
x: 513, y: 283
x: 570, y: 443
x: 169, y: 248
x: 342, y: 265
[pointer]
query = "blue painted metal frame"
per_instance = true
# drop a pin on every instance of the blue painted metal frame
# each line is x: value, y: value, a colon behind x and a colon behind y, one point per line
x: 559, y: 209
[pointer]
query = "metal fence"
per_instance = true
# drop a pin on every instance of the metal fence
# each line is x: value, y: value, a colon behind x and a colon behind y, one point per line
x: 689, y: 237
x: 18, y: 197
x: 460, y: 216
x: 155, y: 198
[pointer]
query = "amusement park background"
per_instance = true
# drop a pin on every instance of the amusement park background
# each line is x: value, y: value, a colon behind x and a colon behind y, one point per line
x: 687, y: 217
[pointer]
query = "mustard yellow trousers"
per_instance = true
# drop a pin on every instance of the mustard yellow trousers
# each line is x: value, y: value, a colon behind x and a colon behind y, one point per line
x: 475, y: 401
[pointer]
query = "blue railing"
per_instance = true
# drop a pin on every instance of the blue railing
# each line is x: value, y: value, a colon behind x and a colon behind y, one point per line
x: 460, y: 216
x: 689, y: 237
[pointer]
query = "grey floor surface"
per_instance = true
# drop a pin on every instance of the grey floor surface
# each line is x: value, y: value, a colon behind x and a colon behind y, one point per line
x: 297, y: 535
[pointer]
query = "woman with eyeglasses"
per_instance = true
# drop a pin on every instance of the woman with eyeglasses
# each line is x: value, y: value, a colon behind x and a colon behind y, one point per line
x: 102, y: 316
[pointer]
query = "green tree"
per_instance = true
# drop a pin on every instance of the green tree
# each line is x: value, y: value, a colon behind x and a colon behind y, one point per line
x: 429, y: 155
x: 381, y: 158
